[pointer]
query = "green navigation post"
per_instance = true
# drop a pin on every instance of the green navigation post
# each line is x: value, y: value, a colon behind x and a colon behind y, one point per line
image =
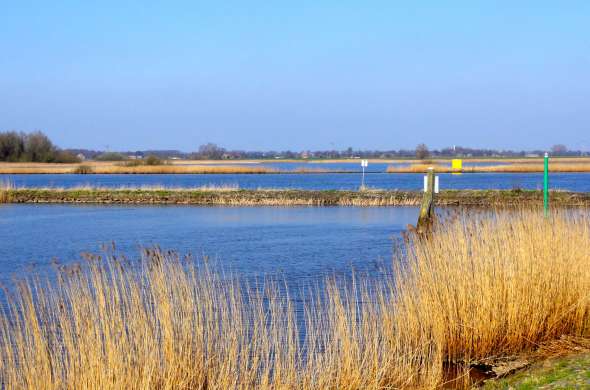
x: 546, y: 185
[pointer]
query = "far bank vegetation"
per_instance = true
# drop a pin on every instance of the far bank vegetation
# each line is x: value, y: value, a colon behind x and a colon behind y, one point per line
x: 32, y: 147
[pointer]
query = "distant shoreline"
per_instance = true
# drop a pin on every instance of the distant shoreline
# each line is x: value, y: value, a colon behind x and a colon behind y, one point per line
x: 237, y: 197
x: 574, y: 165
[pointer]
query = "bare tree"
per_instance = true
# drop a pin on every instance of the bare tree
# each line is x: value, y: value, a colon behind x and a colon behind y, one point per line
x: 558, y: 149
x: 210, y: 151
x: 422, y: 152
x: 12, y: 146
x: 39, y: 148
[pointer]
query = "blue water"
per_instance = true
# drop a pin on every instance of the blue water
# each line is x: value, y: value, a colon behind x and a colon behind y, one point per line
x: 300, y: 244
x: 343, y: 181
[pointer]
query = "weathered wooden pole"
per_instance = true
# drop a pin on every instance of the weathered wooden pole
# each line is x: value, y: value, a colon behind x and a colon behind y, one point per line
x: 546, y: 184
x: 426, y: 217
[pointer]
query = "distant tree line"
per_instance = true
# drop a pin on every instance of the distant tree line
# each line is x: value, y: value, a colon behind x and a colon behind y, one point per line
x: 212, y: 151
x: 37, y: 147
x: 31, y: 147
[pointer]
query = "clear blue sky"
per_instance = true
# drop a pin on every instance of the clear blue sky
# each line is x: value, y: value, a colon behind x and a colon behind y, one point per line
x: 300, y: 75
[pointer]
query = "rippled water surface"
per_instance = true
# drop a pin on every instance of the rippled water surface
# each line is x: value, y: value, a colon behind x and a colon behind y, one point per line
x: 300, y: 243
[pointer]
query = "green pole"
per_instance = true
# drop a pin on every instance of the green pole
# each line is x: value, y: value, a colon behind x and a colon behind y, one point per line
x: 546, y: 185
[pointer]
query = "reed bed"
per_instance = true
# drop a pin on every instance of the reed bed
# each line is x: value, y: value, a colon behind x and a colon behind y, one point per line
x: 140, y: 169
x: 530, y: 167
x: 142, y: 188
x: 176, y: 169
x: 234, y: 196
x: 250, y: 167
x: 418, y: 168
x: 6, y: 188
x: 136, y: 167
x: 480, y: 287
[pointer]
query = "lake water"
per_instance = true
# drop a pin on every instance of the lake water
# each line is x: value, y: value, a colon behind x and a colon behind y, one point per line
x: 343, y: 181
x: 301, y: 243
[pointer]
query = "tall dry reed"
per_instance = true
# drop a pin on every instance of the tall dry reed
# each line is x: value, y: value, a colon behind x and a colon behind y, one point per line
x: 133, y: 166
x: 479, y: 287
x: 5, y: 189
x: 528, y: 167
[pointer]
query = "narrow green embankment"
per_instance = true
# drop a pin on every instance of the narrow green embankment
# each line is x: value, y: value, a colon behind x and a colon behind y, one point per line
x: 482, y: 198
x: 572, y: 372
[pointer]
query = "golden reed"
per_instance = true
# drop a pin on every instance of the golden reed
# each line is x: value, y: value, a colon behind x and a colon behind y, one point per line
x: 496, y: 284
x: 531, y: 167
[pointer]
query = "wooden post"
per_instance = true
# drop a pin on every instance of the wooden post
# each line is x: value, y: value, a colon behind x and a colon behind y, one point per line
x: 426, y: 216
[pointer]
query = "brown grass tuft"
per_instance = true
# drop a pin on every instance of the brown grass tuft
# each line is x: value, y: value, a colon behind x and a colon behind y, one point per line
x: 82, y: 169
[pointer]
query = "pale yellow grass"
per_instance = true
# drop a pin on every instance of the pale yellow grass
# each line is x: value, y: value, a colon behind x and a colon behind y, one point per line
x: 417, y: 168
x: 147, y: 187
x: 524, y: 160
x: 504, y: 168
x: 479, y: 287
x: 5, y: 188
x: 117, y: 168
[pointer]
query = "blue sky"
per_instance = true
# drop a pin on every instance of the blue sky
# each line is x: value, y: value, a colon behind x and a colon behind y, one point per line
x: 299, y: 75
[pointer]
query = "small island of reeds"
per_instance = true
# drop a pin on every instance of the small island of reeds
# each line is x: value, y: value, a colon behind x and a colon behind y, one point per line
x: 234, y: 196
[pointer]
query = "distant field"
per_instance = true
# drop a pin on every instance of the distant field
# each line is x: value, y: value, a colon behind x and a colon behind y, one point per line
x: 522, y: 167
x: 581, y: 164
x: 95, y: 167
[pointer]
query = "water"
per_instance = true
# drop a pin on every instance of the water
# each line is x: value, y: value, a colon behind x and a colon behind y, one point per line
x: 300, y: 244
x: 343, y: 181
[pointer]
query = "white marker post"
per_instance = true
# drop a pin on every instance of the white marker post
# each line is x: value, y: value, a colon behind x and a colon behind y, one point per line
x: 436, y: 187
x: 364, y: 164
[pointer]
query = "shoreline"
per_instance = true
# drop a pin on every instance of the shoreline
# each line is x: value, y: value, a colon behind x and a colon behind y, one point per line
x: 272, y: 197
x: 557, y: 165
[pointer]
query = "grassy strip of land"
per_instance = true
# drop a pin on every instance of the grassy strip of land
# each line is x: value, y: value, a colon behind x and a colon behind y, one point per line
x: 237, y: 197
x: 572, y: 372
x: 481, y: 287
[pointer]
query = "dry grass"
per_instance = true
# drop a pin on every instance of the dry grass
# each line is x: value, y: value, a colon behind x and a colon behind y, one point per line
x: 6, y: 188
x: 146, y: 188
x: 523, y: 160
x: 118, y: 168
x: 418, y: 168
x: 505, y: 168
x: 232, y: 195
x: 479, y: 287
x: 533, y: 167
x: 249, y: 166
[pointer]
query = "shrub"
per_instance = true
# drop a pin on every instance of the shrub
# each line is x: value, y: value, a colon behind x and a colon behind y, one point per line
x: 131, y: 163
x: 82, y: 170
x: 153, y: 160
x: 62, y: 156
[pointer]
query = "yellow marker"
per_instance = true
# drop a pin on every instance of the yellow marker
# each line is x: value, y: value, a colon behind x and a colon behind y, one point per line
x: 457, y: 165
